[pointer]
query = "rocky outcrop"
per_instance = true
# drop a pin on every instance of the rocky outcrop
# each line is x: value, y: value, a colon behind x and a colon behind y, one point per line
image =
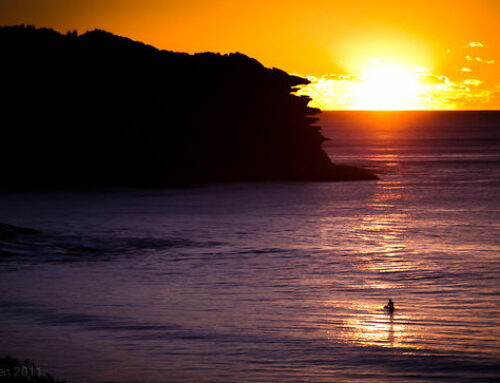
x: 99, y: 109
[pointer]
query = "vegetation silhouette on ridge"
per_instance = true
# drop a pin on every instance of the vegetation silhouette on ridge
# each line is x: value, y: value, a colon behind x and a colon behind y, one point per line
x: 13, y: 371
x: 99, y: 109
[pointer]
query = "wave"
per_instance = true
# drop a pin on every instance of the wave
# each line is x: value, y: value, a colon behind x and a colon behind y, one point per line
x: 17, y: 241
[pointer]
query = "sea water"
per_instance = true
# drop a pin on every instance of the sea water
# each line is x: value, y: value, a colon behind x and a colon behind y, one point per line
x: 272, y: 282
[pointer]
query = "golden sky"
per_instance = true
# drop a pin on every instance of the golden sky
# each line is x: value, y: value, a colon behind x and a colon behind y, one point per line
x: 360, y: 54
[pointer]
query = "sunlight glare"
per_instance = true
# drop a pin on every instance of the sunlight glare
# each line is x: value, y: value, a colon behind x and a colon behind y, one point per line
x: 387, y: 86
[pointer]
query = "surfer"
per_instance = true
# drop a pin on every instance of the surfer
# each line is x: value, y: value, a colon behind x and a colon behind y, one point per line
x: 389, y: 307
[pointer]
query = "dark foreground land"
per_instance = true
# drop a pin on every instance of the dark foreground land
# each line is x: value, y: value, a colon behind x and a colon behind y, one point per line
x: 13, y: 371
x: 99, y: 109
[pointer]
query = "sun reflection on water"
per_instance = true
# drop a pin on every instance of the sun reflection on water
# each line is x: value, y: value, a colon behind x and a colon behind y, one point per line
x: 383, y: 233
x: 389, y: 257
x: 369, y: 325
x: 384, y: 230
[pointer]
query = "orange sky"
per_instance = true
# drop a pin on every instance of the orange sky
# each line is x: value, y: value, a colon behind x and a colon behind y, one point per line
x: 360, y: 54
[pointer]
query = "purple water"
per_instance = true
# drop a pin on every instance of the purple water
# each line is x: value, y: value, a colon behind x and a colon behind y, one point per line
x: 273, y: 281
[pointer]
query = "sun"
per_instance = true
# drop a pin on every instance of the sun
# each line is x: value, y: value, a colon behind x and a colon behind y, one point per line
x: 377, y: 85
x: 387, y: 86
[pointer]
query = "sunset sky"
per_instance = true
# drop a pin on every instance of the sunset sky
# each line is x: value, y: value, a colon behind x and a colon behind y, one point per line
x: 359, y: 54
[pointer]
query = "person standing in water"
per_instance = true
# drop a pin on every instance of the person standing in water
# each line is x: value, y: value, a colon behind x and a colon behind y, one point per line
x: 390, y: 306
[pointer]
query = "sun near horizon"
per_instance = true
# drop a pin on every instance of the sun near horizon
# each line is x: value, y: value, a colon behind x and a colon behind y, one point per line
x: 361, y: 55
x: 380, y: 86
x: 387, y: 85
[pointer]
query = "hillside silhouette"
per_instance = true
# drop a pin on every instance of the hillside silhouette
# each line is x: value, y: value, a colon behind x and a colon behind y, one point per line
x: 99, y: 109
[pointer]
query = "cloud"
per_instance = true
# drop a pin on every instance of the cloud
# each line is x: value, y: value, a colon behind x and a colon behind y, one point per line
x: 331, y: 78
x: 341, y: 78
x: 457, y: 87
x: 463, y: 86
x: 473, y: 82
x: 476, y: 44
x: 431, y: 79
x: 421, y: 69
x: 329, y: 92
x: 457, y: 95
x: 480, y: 60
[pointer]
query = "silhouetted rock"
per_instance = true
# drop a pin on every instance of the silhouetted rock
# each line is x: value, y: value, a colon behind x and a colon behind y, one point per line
x: 99, y: 109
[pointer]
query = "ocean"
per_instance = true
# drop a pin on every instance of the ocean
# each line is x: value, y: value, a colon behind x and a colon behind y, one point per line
x: 275, y: 281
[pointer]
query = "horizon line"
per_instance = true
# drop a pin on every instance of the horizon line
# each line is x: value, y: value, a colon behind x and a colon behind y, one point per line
x: 410, y: 110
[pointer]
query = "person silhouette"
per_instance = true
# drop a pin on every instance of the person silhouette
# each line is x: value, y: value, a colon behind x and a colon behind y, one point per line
x: 390, y: 306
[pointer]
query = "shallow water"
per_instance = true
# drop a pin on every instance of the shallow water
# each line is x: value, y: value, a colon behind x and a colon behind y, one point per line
x: 273, y: 281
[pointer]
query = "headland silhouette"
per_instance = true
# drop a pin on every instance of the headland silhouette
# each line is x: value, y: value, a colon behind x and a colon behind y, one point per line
x: 100, y: 109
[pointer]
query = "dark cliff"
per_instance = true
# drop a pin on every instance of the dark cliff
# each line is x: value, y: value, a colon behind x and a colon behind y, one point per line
x: 99, y: 109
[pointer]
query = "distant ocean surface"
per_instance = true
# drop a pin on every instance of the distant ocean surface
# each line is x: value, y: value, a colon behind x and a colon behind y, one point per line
x: 272, y: 282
